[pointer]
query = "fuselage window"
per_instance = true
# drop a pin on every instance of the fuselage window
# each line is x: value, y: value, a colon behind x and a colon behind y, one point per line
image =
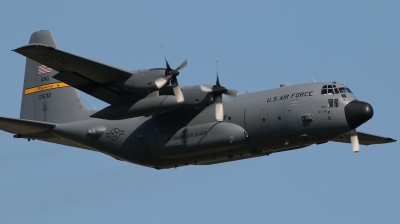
x: 333, y: 103
x: 330, y: 103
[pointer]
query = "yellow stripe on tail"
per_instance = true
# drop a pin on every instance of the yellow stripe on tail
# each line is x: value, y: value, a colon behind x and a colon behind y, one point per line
x: 45, y: 87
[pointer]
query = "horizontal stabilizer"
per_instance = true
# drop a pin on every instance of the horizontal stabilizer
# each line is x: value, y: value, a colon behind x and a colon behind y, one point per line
x: 24, y: 127
x: 364, y: 139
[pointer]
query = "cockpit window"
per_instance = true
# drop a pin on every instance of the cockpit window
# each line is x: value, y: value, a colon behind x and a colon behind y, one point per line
x: 329, y: 90
x: 336, y: 91
x: 348, y: 90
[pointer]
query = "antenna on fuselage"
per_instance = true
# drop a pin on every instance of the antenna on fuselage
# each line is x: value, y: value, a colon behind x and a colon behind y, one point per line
x: 313, y: 79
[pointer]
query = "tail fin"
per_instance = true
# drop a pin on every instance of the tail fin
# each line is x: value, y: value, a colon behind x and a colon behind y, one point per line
x: 47, y: 99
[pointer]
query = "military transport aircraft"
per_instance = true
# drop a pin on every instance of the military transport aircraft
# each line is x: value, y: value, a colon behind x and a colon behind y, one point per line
x: 152, y: 121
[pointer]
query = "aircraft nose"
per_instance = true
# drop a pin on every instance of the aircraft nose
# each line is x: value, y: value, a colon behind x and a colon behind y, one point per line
x: 357, y: 113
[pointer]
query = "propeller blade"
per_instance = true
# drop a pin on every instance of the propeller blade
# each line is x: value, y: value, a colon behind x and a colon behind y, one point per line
x: 354, y: 141
x: 184, y: 63
x: 160, y: 82
x: 165, y: 58
x: 231, y: 92
x: 178, y: 93
x: 217, y: 83
x: 219, y: 109
x: 171, y: 75
x: 206, y: 89
x: 216, y: 67
x: 177, y: 90
x: 219, y: 112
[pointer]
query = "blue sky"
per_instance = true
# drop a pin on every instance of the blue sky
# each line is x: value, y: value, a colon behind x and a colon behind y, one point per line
x: 259, y: 45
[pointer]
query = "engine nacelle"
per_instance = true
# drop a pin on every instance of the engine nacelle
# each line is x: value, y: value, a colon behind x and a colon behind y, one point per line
x: 143, y: 107
x: 195, y: 97
x: 142, y: 80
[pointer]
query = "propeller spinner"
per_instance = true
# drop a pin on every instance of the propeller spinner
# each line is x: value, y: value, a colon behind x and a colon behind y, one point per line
x: 217, y: 90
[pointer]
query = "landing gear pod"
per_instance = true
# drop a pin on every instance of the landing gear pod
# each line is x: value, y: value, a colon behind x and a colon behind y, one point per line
x: 200, y: 139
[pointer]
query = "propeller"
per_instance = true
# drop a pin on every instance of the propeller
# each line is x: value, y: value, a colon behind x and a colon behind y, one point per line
x: 354, y: 141
x: 170, y: 76
x: 217, y: 90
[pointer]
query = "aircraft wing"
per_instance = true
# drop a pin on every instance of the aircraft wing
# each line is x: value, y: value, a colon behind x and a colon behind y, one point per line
x: 94, y: 78
x: 33, y: 130
x: 364, y: 139
x: 22, y: 127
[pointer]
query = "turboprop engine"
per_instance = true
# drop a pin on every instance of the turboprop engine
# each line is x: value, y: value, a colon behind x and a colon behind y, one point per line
x: 145, y: 80
x: 149, y: 80
x: 195, y: 97
x: 143, y: 107
x: 154, y: 79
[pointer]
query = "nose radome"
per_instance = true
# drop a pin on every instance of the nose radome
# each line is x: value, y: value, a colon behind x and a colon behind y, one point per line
x: 357, y: 113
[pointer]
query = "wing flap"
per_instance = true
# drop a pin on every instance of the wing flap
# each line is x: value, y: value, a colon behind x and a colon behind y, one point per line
x: 365, y: 139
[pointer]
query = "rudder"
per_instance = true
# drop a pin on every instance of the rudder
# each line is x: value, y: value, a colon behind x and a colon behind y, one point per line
x: 45, y: 98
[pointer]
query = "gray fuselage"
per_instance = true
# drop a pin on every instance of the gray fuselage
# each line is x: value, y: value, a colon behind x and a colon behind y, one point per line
x: 255, y: 124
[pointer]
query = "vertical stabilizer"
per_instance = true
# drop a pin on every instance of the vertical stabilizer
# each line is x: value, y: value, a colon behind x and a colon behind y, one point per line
x: 47, y: 99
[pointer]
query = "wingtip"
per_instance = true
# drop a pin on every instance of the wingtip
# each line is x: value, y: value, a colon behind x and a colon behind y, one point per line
x: 391, y: 139
x: 24, y: 47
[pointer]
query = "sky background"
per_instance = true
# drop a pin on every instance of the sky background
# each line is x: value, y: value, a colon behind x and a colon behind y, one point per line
x: 259, y: 45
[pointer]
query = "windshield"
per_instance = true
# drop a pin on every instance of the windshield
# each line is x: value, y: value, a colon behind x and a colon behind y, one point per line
x: 344, y: 90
